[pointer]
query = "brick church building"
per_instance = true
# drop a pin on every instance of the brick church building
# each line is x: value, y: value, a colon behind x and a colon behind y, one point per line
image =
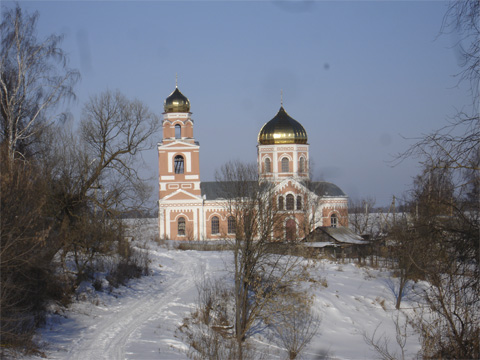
x: 193, y: 210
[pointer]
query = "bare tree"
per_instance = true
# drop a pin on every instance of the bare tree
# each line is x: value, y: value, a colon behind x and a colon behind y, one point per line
x: 115, y: 131
x: 67, y: 199
x: 295, y: 323
x: 259, y: 274
x: 67, y: 205
x: 462, y: 18
x: 34, y: 81
x: 23, y: 202
x: 309, y: 206
x: 439, y: 243
x: 448, y: 210
x: 406, y: 249
x: 362, y: 217
x: 381, y: 344
x: 457, y: 145
x: 96, y: 174
x: 451, y: 330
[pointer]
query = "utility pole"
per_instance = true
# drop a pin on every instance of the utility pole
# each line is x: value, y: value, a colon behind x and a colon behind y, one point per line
x: 394, y: 210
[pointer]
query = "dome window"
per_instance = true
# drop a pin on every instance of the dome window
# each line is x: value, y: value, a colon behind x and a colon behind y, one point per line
x: 268, y: 165
x: 301, y: 166
x: 285, y: 165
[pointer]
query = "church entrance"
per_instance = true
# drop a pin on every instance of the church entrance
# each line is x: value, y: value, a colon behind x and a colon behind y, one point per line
x: 291, y: 230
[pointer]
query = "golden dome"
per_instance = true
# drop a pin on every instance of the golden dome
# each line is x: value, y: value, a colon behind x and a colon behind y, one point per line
x: 176, y: 102
x: 282, y: 129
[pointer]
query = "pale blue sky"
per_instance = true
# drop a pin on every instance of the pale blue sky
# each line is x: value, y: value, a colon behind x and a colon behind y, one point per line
x: 357, y: 75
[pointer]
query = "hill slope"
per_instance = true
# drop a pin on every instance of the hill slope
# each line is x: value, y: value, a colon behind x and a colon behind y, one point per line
x: 140, y: 321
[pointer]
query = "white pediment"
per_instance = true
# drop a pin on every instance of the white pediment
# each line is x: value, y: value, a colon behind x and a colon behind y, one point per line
x: 295, y: 183
x: 178, y: 145
x: 180, y: 195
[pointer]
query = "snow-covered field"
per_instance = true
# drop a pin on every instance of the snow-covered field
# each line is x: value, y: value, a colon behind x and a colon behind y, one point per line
x: 140, y: 321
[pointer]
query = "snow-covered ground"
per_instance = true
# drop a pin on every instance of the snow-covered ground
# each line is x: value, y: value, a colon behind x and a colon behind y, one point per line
x: 140, y: 321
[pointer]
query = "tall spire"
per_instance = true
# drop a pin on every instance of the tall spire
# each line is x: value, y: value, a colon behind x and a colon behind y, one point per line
x: 281, y: 97
x: 176, y: 80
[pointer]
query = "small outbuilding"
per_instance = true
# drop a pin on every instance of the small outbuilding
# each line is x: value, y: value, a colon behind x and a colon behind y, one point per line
x: 336, y: 241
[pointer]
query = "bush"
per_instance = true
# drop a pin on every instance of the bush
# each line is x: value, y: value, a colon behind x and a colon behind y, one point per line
x: 132, y: 263
x: 203, y: 246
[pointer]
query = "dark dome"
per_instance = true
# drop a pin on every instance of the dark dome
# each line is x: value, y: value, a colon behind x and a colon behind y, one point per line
x: 282, y: 129
x: 176, y: 102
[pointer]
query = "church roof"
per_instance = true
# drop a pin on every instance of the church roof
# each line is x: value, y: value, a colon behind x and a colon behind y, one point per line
x: 324, y: 188
x: 213, y: 190
x: 282, y: 129
x: 176, y: 102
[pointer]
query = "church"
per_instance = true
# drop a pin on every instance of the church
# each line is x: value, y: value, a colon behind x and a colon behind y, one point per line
x: 193, y: 210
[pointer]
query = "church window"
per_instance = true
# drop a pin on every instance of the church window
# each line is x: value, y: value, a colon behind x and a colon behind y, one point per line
x: 178, y: 131
x: 179, y: 164
x: 291, y: 229
x: 268, y: 167
x: 280, y: 203
x: 231, y: 225
x: 215, y: 225
x: 181, y: 226
x: 299, y: 202
x: 301, y: 166
x: 333, y: 220
x: 290, y: 202
x: 285, y: 165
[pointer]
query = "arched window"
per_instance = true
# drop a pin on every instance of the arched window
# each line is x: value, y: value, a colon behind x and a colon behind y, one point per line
x: 178, y: 131
x: 268, y: 167
x: 333, y: 220
x: 179, y: 164
x: 231, y: 225
x: 285, y: 165
x: 291, y: 230
x: 280, y: 203
x: 301, y: 165
x: 299, y: 202
x: 290, y: 202
x: 215, y: 225
x: 181, y: 226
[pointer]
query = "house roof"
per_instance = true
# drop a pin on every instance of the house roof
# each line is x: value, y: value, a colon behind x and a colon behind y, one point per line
x: 339, y: 235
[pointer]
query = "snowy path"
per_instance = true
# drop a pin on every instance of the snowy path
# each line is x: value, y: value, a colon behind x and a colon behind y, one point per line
x: 117, y: 329
x: 108, y: 341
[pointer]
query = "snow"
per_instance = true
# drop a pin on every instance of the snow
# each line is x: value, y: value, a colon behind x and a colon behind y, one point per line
x: 141, y: 320
x: 319, y: 244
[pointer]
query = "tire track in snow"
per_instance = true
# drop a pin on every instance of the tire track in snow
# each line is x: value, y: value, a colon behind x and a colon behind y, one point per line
x: 107, y: 339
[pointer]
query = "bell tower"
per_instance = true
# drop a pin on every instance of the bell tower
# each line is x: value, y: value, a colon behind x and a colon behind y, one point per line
x: 178, y: 152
